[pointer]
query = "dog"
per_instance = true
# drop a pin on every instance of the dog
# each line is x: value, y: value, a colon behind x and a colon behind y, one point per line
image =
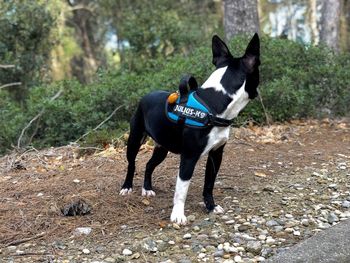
x: 229, y: 88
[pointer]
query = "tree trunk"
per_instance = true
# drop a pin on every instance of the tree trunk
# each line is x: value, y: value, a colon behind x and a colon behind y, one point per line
x: 313, y: 21
x: 240, y: 17
x: 330, y: 22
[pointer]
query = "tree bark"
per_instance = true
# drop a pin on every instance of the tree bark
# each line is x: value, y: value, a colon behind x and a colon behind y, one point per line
x: 330, y: 23
x: 313, y: 21
x: 240, y: 17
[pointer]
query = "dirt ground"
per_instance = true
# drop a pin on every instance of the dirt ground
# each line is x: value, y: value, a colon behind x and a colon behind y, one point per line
x: 35, y: 185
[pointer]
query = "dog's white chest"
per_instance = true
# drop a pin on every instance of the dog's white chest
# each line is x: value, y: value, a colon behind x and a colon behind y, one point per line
x: 217, y: 137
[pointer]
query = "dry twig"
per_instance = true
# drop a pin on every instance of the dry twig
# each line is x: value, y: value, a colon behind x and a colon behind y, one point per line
x: 103, y: 122
x: 23, y: 240
x: 10, y: 85
x: 35, y: 118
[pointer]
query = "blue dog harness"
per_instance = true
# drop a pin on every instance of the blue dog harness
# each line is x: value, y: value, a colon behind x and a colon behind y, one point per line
x: 190, y: 110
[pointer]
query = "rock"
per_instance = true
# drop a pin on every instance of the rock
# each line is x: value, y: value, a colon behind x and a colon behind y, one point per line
x: 191, y: 218
x: 296, y: 233
x: 136, y: 255
x: 289, y: 230
x: 202, y: 255
x: 266, y: 251
x: 237, y: 259
x: 254, y: 247
x: 230, y: 222
x: 176, y: 226
x: 332, y: 218
x: 187, y: 236
x: 109, y: 260
x: 86, y: 251
x: 82, y: 231
x: 289, y: 216
x: 219, y: 253
x: 271, y: 223
x: 277, y: 229
x: 270, y: 241
x: 345, y: 204
x: 243, y: 228
x: 305, y: 222
x: 196, y: 228
x: 262, y: 237
x: 333, y: 186
x: 150, y: 245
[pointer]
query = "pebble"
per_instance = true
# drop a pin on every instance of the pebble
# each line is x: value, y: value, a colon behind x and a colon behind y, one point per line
x: 86, y: 251
x: 219, y: 253
x: 109, y: 260
x: 345, y: 204
x: 289, y: 230
x: 270, y: 241
x: 262, y: 237
x: 332, y: 218
x: 196, y: 228
x: 272, y: 223
x: 243, y: 228
x: 202, y: 255
x: 254, y: 247
x: 305, y: 222
x: 187, y: 236
x: 238, y: 259
x: 191, y: 218
x: 82, y: 231
x: 230, y: 222
x: 296, y: 233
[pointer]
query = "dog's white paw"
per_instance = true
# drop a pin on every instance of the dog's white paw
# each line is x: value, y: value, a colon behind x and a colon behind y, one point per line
x: 178, y: 216
x: 125, y: 191
x: 218, y: 210
x: 148, y: 192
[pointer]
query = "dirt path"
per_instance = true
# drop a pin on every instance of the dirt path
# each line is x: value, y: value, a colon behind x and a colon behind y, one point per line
x: 278, y: 185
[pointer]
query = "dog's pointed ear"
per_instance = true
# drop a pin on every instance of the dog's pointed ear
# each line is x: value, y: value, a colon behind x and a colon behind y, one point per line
x: 220, y: 51
x: 252, y: 53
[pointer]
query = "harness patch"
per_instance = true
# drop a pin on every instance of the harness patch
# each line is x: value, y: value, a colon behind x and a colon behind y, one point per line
x: 189, y: 111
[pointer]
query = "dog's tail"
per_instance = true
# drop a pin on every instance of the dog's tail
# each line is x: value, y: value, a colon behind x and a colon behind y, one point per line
x: 137, y: 134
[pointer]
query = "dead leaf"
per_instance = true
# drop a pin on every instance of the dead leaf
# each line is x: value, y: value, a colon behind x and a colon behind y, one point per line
x: 260, y: 174
x: 146, y: 202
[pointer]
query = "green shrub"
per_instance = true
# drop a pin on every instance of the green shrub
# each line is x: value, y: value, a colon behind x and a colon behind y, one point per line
x: 296, y: 82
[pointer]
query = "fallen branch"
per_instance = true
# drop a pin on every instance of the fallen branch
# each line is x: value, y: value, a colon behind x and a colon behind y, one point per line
x: 21, y: 241
x: 10, y: 85
x: 35, y: 118
x: 98, y: 126
x: 6, y: 66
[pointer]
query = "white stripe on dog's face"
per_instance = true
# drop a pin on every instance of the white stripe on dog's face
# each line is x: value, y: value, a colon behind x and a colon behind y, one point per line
x: 239, y: 100
x: 214, y: 80
x: 178, y: 213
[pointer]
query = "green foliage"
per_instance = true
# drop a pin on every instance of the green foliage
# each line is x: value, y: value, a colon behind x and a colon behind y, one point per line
x: 296, y: 82
x: 24, y: 42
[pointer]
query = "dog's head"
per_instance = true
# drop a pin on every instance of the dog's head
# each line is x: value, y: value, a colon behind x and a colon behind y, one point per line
x: 238, y: 70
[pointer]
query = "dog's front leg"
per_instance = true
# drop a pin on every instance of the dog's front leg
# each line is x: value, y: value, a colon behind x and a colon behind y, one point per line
x: 182, y: 183
x: 211, y: 171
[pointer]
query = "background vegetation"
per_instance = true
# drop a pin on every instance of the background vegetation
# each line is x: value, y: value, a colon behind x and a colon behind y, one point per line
x: 74, y: 63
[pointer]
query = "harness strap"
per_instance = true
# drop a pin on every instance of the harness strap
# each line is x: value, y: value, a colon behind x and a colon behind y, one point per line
x: 219, y: 122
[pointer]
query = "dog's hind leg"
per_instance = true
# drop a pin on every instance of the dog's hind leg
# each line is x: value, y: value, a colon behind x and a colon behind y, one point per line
x: 158, y: 156
x: 136, y: 137
x: 211, y: 171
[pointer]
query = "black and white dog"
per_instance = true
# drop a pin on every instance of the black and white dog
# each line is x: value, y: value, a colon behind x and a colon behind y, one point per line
x: 227, y: 91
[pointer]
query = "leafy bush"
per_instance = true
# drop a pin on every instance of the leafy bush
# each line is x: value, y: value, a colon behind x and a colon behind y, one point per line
x: 296, y: 82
